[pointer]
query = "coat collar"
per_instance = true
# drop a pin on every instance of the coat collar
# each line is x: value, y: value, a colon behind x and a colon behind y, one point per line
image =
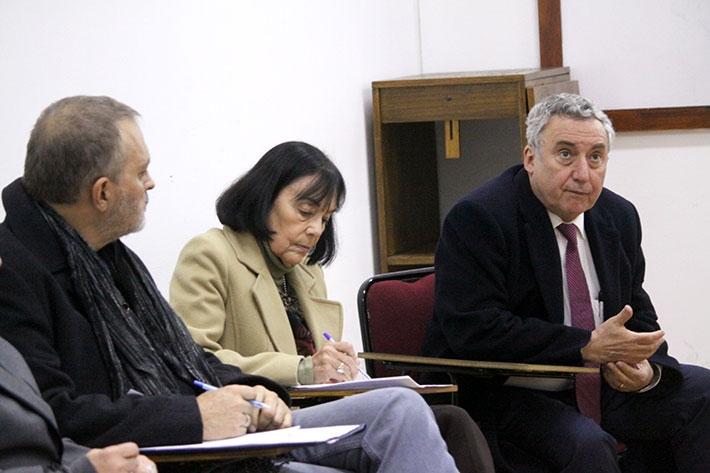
x: 604, y: 242
x: 27, y: 223
x: 320, y: 314
x: 542, y: 246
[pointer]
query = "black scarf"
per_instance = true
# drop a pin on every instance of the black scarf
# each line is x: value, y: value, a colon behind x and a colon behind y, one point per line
x: 145, y: 345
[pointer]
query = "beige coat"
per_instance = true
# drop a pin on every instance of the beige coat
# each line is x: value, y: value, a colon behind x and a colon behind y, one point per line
x: 223, y: 290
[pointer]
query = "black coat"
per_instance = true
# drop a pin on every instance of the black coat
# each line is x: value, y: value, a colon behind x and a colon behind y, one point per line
x: 40, y: 317
x: 499, y: 278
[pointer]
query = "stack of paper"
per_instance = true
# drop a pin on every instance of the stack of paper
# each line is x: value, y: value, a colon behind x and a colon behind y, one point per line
x: 293, y: 436
x: 359, y: 384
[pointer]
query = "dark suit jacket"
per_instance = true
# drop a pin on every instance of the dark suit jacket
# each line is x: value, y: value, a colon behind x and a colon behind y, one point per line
x: 29, y: 438
x: 499, y: 278
x: 43, y: 320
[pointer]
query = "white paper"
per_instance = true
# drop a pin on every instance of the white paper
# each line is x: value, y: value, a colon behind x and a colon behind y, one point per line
x: 374, y: 383
x: 272, y: 438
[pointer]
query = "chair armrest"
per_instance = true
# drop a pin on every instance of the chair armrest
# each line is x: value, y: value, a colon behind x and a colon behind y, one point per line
x: 475, y: 368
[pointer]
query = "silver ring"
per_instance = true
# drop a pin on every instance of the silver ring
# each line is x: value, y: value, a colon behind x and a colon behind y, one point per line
x: 340, y: 369
x: 621, y: 385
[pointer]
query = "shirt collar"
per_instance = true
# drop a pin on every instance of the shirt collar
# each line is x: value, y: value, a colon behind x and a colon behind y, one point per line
x: 578, y: 222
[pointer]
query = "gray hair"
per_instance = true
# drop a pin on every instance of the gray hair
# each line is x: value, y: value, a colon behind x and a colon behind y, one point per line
x: 75, y: 141
x: 566, y: 105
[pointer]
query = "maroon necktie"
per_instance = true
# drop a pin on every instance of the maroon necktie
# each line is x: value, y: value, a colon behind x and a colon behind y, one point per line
x: 587, y: 387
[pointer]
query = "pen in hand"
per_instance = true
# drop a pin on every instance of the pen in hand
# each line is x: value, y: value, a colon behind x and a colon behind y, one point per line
x: 209, y: 387
x: 328, y: 337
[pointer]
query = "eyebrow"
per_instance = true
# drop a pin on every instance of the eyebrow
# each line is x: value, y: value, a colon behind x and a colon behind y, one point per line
x: 570, y: 144
x: 328, y: 210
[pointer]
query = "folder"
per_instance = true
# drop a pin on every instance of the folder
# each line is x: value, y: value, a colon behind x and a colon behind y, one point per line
x: 291, y: 437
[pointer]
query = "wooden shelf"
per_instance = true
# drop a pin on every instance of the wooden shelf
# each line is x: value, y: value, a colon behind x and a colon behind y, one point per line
x: 411, y: 259
x: 415, y: 184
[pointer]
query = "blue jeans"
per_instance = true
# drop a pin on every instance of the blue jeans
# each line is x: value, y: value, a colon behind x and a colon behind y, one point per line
x: 400, y: 435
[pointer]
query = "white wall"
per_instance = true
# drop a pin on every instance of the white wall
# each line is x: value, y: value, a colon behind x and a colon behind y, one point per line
x: 625, y: 54
x: 220, y: 82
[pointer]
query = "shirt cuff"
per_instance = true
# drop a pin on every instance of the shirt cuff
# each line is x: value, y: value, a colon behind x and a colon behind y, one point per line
x: 657, y: 372
x: 305, y: 370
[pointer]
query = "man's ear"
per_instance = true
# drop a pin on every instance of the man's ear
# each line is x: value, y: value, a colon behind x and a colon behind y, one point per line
x: 528, y: 158
x: 101, y: 193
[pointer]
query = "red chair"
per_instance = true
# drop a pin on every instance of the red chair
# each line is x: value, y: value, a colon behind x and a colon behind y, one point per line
x: 395, y: 309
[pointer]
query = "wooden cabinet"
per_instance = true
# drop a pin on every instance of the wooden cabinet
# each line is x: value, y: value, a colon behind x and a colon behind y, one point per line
x: 437, y: 136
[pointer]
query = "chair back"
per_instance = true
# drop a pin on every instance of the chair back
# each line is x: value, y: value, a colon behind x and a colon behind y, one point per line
x: 395, y: 309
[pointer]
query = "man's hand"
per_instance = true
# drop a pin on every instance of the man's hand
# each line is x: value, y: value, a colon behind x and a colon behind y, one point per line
x: 276, y: 416
x: 226, y: 412
x: 628, y: 378
x: 121, y: 458
x: 612, y: 341
x: 335, y: 362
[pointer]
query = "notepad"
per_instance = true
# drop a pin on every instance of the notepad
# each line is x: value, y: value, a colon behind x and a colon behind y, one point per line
x: 289, y: 437
x: 366, y: 384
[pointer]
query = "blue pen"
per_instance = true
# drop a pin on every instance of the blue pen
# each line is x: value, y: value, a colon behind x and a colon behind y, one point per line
x: 330, y: 338
x: 209, y: 387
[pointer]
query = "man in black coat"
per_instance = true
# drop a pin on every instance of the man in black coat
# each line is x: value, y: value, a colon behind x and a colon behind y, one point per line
x: 29, y: 438
x: 504, y: 293
x: 110, y: 356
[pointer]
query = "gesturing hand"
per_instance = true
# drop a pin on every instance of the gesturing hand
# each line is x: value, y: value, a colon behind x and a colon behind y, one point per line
x: 612, y: 341
x: 121, y: 458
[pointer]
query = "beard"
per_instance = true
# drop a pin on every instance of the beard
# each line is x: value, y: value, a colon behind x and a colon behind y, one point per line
x: 128, y: 216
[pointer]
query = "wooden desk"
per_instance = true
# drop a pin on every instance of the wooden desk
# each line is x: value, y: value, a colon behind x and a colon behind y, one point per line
x: 336, y: 393
x: 475, y: 368
x: 227, y: 455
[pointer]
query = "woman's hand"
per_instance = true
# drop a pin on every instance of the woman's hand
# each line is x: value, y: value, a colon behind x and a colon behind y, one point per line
x: 335, y: 362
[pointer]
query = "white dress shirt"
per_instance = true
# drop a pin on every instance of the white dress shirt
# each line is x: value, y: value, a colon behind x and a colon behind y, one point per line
x: 590, y: 274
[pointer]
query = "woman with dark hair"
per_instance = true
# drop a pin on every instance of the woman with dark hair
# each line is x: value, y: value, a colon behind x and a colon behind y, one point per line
x: 254, y: 294
x: 253, y: 291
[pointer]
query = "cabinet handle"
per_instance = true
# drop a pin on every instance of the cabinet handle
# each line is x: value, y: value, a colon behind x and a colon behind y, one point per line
x: 452, y: 148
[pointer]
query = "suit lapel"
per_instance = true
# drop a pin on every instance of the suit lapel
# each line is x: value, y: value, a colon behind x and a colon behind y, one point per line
x: 321, y: 315
x: 605, y: 245
x: 542, y: 248
x: 264, y: 293
x: 268, y: 301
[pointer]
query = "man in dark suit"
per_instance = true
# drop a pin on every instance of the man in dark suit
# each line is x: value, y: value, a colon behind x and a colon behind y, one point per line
x: 514, y: 285
x: 29, y: 437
